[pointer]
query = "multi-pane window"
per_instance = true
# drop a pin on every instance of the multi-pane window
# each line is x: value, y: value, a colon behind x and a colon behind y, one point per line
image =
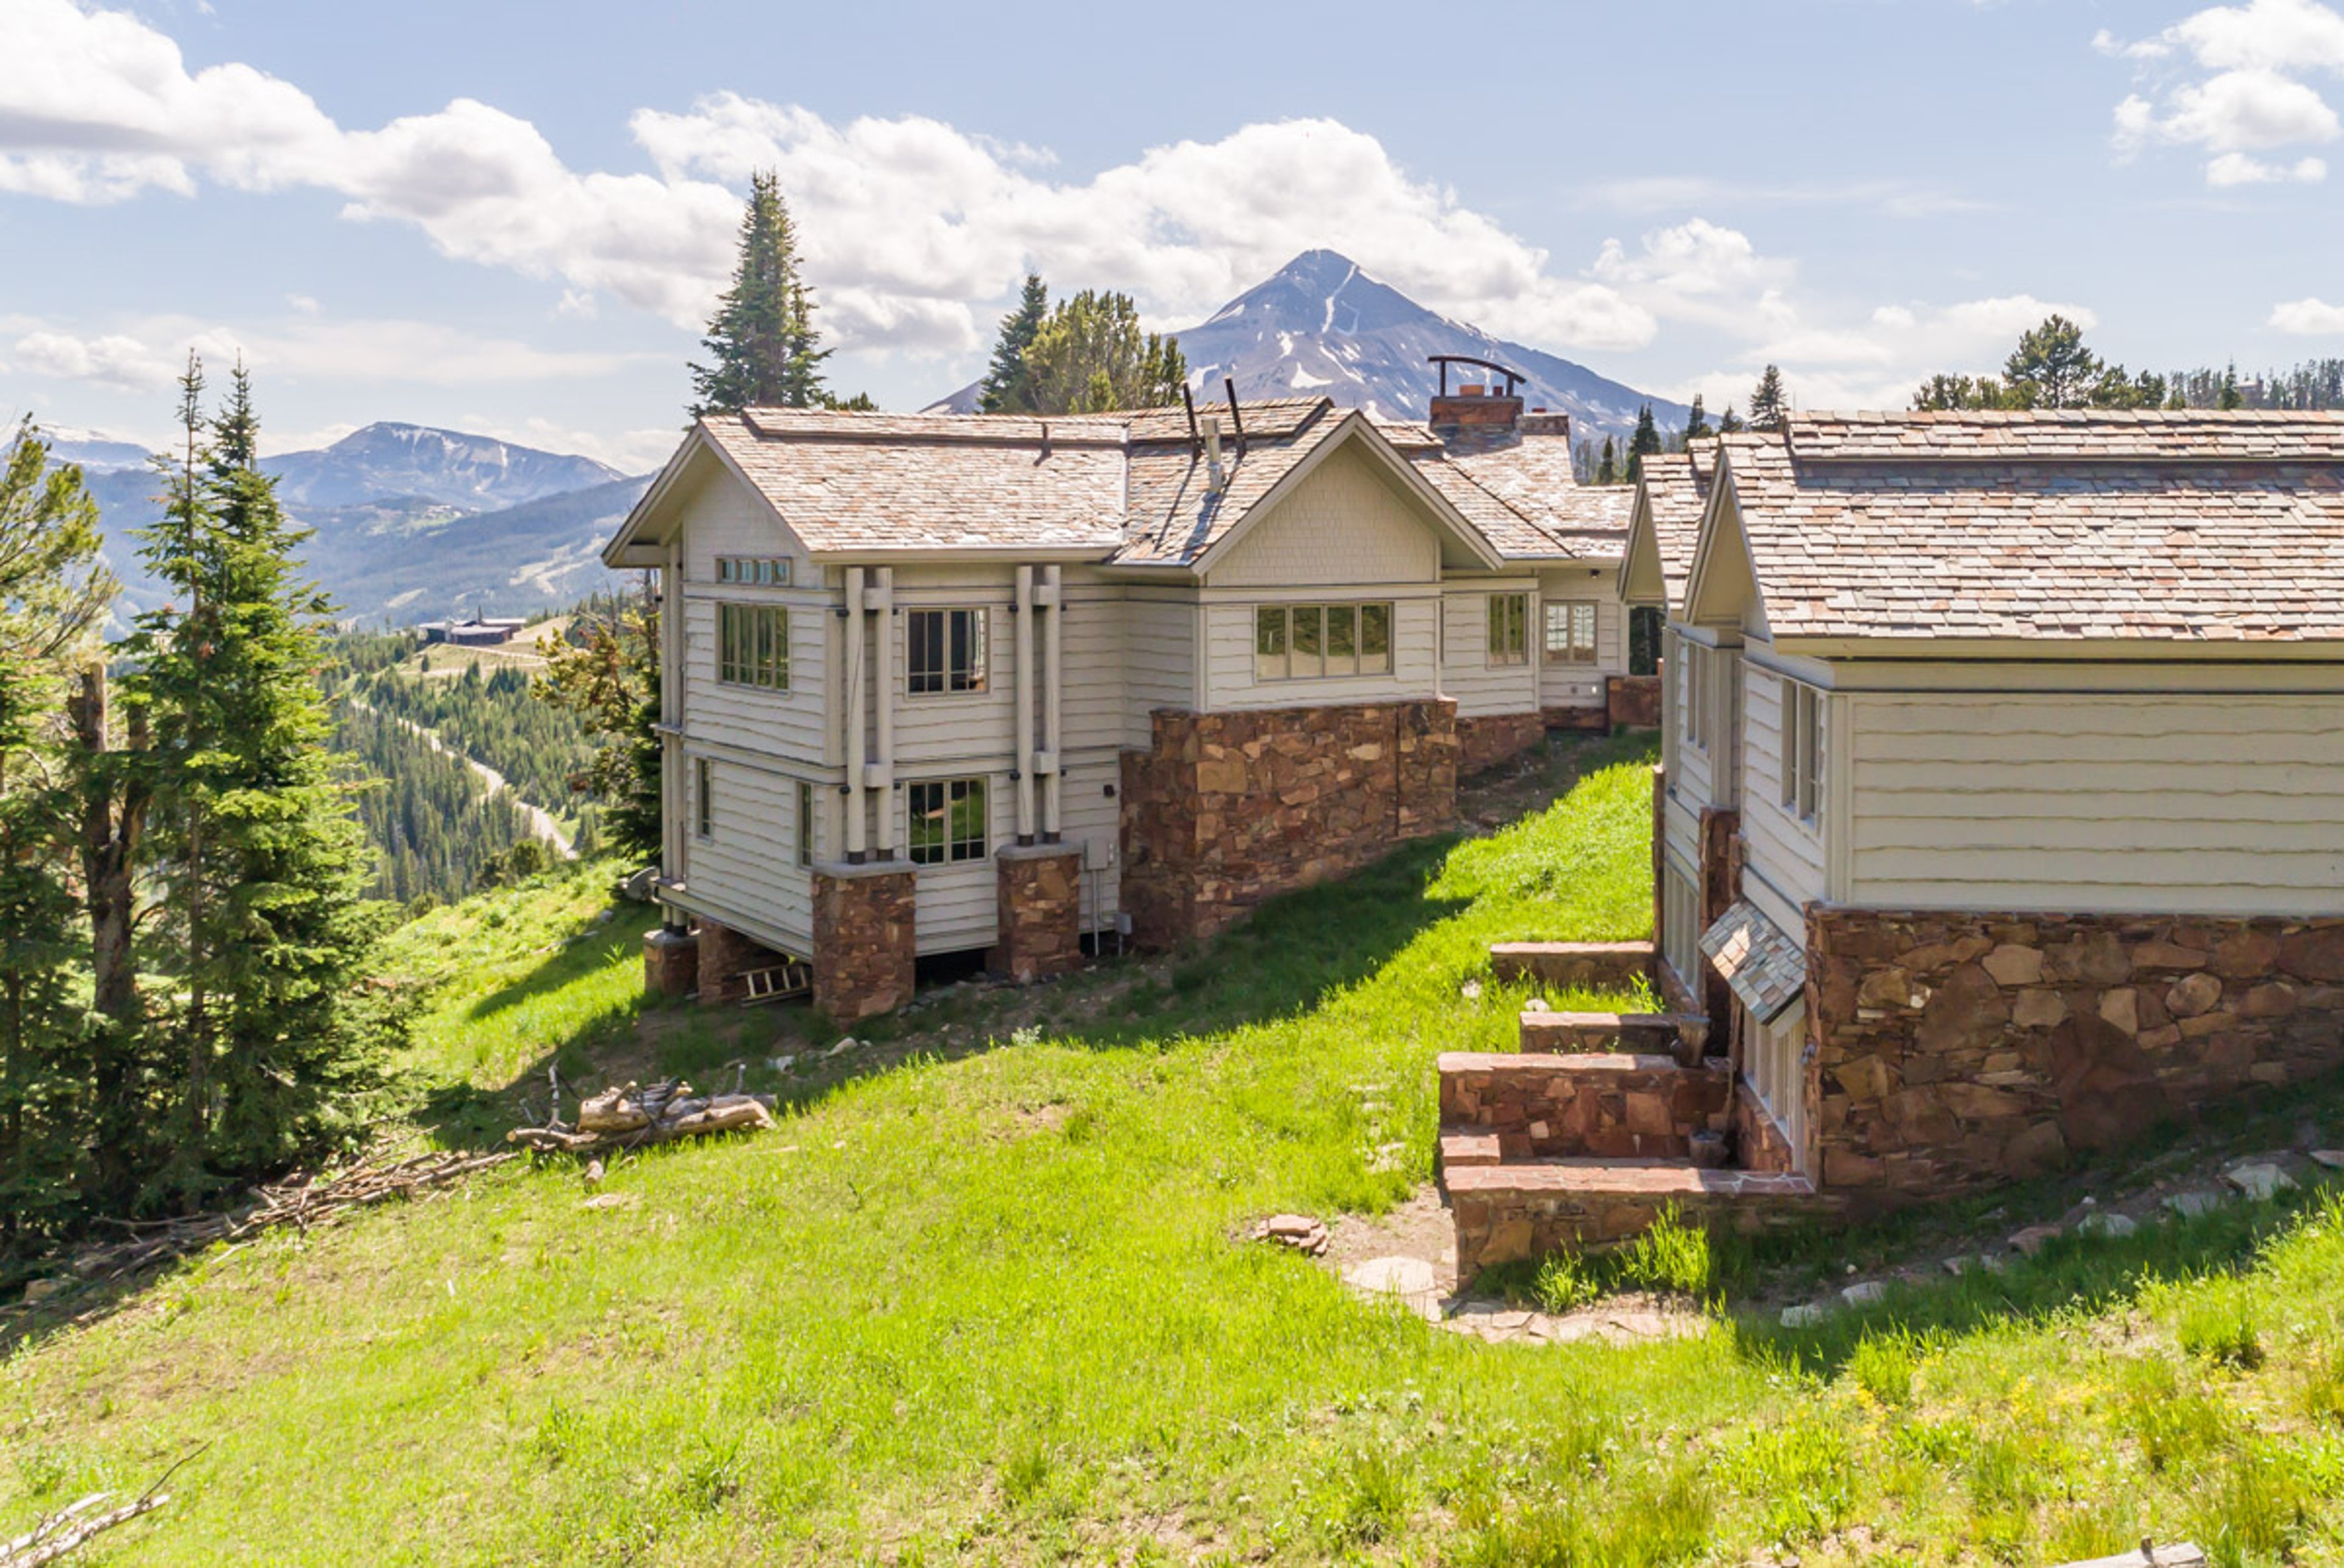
x: 1510, y: 628
x: 1803, y: 750
x: 758, y: 571
x: 704, y: 792
x: 947, y: 652
x: 1318, y: 641
x: 753, y: 646
x: 805, y: 823
x: 1570, y: 633
x: 1696, y: 704
x: 1681, y: 927
x: 1774, y: 1060
x: 947, y: 821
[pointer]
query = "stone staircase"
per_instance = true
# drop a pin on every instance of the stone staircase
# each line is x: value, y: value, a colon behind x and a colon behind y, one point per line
x: 1600, y: 1122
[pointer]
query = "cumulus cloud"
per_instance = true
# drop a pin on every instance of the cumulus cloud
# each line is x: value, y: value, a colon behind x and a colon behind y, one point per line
x: 2308, y: 317
x: 2250, y: 95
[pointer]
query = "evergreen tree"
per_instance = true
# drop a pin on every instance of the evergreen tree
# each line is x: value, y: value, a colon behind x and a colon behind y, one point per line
x: 2230, y: 397
x: 764, y: 348
x: 2051, y: 368
x: 1697, y: 422
x: 264, y: 926
x: 1006, y: 388
x: 1769, y: 404
x: 608, y: 675
x: 1729, y: 422
x: 1089, y: 355
x: 1607, y: 468
x: 1643, y: 444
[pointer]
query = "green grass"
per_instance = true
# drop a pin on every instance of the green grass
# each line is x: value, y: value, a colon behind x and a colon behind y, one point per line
x: 985, y: 1305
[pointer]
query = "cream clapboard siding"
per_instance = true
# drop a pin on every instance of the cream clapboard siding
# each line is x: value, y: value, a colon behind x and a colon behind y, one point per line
x: 749, y: 863
x: 1160, y: 656
x: 2097, y: 802
x: 1091, y: 820
x: 1343, y: 524
x: 1093, y: 707
x: 978, y: 729
x: 1784, y: 864
x: 1580, y: 686
x: 1479, y: 687
x: 1231, y: 674
x: 783, y: 725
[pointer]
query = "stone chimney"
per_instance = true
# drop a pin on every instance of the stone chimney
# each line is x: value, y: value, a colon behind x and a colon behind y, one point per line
x: 1539, y: 424
x: 1479, y: 415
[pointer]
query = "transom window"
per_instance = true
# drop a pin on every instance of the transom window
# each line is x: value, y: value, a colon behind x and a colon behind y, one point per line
x: 947, y: 652
x: 1570, y: 633
x: 1803, y: 750
x: 1510, y: 628
x: 753, y: 646
x: 947, y: 821
x: 758, y: 571
x: 1696, y: 703
x: 1322, y: 641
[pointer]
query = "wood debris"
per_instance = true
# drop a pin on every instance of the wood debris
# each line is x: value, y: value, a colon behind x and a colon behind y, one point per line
x: 68, y: 1528
x: 635, y: 1115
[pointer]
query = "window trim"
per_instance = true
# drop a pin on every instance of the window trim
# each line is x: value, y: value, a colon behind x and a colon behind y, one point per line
x: 1803, y: 760
x: 981, y: 670
x: 1323, y: 613
x: 805, y: 823
x: 729, y: 670
x: 1697, y: 706
x: 1507, y: 639
x: 1569, y: 655
x: 951, y: 851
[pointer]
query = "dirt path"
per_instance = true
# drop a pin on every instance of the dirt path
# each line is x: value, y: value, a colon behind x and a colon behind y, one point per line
x: 542, y: 824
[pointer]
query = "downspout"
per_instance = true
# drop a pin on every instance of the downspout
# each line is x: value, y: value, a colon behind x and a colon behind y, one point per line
x: 854, y: 716
x: 1054, y: 658
x: 1024, y: 609
x: 882, y: 781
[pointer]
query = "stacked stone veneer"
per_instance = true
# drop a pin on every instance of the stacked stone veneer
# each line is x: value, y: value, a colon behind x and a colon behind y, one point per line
x: 1505, y: 1212
x: 1578, y: 716
x: 1224, y: 810
x: 1758, y: 1140
x: 1040, y: 911
x: 724, y: 957
x: 670, y: 962
x: 1485, y: 742
x: 1596, y: 1106
x: 1633, y: 702
x: 1955, y: 1051
x: 864, y: 939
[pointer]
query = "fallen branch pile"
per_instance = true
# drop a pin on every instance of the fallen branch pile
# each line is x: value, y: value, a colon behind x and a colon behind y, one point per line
x: 634, y: 1114
x: 63, y: 1531
x: 298, y: 1203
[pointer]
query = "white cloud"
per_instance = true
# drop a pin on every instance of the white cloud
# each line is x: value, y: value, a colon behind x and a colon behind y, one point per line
x: 2253, y: 98
x: 2308, y: 317
x: 1676, y: 193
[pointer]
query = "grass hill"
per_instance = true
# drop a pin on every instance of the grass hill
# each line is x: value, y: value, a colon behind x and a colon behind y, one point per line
x: 981, y: 1298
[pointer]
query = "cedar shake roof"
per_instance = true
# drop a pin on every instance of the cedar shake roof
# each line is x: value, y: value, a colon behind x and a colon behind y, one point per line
x: 2073, y: 525
x: 1676, y: 488
x: 1526, y: 498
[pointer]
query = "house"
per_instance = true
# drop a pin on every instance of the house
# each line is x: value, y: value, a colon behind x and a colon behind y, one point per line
x: 939, y: 683
x: 480, y: 631
x: 2000, y: 816
x: 2003, y: 776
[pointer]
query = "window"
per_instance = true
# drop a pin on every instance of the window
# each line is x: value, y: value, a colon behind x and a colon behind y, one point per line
x: 1570, y: 633
x: 805, y: 825
x: 1681, y: 931
x: 1322, y: 641
x: 947, y: 652
x: 1773, y: 1059
x: 1697, y: 658
x: 947, y: 821
x: 1509, y: 625
x: 703, y: 797
x: 753, y: 646
x: 1803, y: 750
x: 758, y: 571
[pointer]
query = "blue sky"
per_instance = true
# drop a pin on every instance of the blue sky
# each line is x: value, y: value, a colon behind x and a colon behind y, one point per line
x: 510, y: 218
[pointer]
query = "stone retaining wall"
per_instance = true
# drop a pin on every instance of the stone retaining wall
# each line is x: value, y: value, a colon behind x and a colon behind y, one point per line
x: 1589, y: 717
x: 1957, y: 1050
x: 1223, y: 810
x: 1506, y: 1212
x: 1039, y: 908
x: 1485, y: 742
x: 1633, y: 702
x: 1574, y: 965
x: 864, y: 939
x: 1604, y: 1107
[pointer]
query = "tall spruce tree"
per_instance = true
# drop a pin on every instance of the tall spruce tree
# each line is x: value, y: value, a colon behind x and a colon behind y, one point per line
x: 1697, y: 422
x: 761, y: 342
x: 1769, y: 404
x: 1645, y: 442
x: 260, y: 867
x: 1729, y: 422
x: 1607, y: 468
x: 1007, y: 388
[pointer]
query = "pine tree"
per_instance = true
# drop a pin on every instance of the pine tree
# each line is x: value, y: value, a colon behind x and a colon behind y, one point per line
x: 1006, y: 388
x: 1089, y: 355
x: 2051, y: 368
x: 1729, y: 422
x: 608, y: 676
x: 766, y: 350
x: 1607, y: 469
x: 2230, y: 397
x: 1643, y: 444
x: 1769, y: 403
x: 1697, y: 422
x: 261, y: 867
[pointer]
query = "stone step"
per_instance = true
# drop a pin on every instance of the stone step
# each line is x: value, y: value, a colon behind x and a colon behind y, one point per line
x: 1684, y: 1036
x: 1528, y: 1209
x: 1566, y: 965
x: 1462, y: 1147
x: 1604, y: 1104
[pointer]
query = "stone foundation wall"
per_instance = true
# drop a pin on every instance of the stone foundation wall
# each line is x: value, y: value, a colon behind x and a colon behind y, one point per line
x: 1606, y: 1106
x: 1586, y: 717
x: 1633, y: 701
x: 1224, y: 810
x: 864, y: 939
x: 723, y: 956
x: 1485, y: 742
x: 1040, y: 912
x: 670, y: 962
x: 1758, y: 1140
x: 1956, y: 1050
x: 1503, y: 1213
x: 1574, y: 965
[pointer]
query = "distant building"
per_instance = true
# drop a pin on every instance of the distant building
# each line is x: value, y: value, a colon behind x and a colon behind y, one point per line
x: 477, y: 633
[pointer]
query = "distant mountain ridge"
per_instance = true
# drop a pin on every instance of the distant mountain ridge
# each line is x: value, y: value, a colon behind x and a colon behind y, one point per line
x: 1320, y: 326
